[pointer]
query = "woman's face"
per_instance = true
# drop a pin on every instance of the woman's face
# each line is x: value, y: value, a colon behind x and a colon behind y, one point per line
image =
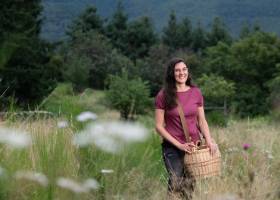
x: 181, y: 72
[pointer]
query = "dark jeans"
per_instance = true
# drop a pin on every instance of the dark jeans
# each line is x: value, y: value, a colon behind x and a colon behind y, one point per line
x: 180, y: 181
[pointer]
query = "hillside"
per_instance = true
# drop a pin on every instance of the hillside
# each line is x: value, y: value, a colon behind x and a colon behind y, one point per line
x: 59, y: 13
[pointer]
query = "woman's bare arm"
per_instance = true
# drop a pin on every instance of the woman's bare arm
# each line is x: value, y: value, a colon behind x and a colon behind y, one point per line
x: 159, y: 120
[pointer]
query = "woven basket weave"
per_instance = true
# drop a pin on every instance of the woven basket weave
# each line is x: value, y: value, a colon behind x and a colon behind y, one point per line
x: 201, y: 164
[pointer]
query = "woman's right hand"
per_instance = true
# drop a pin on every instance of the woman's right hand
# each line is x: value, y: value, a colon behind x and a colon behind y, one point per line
x: 187, y: 147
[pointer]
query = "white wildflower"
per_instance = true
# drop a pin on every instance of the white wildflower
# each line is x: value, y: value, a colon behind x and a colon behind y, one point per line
x: 62, y: 124
x: 107, y: 144
x: 107, y: 171
x: 91, y: 184
x: 85, y: 116
x: 76, y: 187
x: 111, y: 136
x: 14, y: 138
x: 71, y: 185
x: 32, y: 176
x: 270, y: 156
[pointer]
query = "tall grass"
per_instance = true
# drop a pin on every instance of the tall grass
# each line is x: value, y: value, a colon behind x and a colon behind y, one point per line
x: 138, y: 171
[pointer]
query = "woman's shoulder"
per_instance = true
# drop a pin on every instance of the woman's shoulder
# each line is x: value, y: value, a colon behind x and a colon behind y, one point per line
x: 196, y: 89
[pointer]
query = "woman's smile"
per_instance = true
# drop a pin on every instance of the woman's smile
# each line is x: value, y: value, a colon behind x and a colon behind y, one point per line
x: 181, y: 72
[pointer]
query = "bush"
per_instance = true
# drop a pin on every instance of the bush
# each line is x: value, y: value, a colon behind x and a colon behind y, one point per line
x: 217, y: 118
x: 77, y: 71
x: 129, y: 96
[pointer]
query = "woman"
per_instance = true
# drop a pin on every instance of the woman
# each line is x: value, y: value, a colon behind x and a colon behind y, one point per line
x: 178, y: 86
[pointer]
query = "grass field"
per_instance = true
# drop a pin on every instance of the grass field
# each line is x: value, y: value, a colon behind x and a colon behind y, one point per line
x: 67, y: 171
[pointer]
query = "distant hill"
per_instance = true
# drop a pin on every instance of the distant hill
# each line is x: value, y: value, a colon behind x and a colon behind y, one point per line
x: 58, y: 14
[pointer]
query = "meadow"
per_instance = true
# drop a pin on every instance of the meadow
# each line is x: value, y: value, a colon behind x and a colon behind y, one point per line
x: 52, y: 166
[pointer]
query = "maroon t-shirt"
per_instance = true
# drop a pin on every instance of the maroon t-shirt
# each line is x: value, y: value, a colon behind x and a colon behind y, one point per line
x: 190, y: 100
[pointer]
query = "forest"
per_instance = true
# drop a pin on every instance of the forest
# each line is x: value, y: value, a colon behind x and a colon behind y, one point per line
x: 77, y: 115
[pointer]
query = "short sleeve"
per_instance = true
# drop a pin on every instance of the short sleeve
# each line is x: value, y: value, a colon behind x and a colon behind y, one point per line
x: 159, y: 100
x: 200, y: 101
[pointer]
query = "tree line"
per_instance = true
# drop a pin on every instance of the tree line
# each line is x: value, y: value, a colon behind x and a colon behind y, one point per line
x: 244, y: 70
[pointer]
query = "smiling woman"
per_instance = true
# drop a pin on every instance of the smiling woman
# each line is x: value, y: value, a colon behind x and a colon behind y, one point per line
x: 179, y: 90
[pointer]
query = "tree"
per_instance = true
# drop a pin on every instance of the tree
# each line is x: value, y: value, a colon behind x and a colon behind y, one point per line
x: 216, y: 87
x: 25, y: 70
x: 171, y: 34
x: 77, y: 71
x: 198, y: 38
x: 104, y: 59
x: 140, y: 36
x: 185, y: 33
x: 217, y: 92
x: 20, y: 17
x: 274, y: 88
x: 87, y: 21
x: 117, y: 28
x: 152, y: 68
x: 245, y: 31
x: 129, y: 96
x: 250, y: 63
x: 218, y: 33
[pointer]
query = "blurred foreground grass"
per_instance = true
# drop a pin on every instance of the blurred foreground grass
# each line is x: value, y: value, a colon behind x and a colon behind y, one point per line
x: 138, y: 171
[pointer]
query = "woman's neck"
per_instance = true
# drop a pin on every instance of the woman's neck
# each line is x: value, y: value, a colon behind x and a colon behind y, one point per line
x: 182, y: 87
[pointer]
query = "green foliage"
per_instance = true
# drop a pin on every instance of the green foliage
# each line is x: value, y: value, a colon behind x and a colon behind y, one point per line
x: 245, y: 31
x: 198, y: 38
x: 218, y: 33
x: 140, y: 36
x: 27, y: 75
x: 64, y: 102
x: 77, y: 71
x: 117, y: 28
x: 132, y: 39
x: 152, y: 68
x: 216, y: 87
x: 216, y: 118
x: 104, y: 59
x: 177, y: 35
x: 274, y: 97
x: 89, y: 20
x: 250, y: 63
x: 217, y: 92
x: 25, y: 70
x: 171, y: 36
x: 185, y: 33
x: 129, y: 96
x: 20, y: 17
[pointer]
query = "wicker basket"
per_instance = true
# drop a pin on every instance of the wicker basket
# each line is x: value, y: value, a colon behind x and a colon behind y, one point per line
x: 201, y: 164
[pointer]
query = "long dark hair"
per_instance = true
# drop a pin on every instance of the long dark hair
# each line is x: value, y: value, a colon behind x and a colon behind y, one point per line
x: 170, y: 83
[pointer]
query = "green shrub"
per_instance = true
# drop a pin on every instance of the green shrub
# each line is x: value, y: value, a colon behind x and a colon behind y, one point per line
x: 217, y: 118
x: 77, y: 71
x: 129, y: 96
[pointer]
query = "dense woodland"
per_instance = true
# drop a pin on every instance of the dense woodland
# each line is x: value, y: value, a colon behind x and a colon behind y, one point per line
x: 235, y: 13
x: 99, y: 53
